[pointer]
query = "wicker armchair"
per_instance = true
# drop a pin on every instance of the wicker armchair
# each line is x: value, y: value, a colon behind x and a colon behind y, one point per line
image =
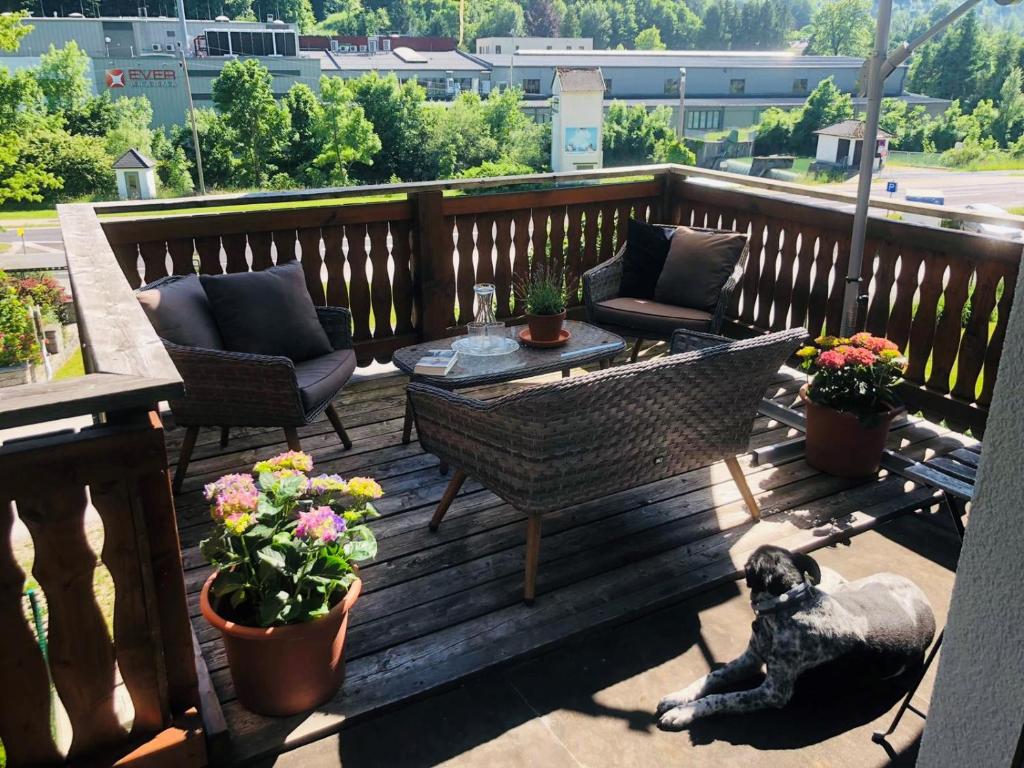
x: 236, y: 389
x: 570, y: 441
x: 657, y: 321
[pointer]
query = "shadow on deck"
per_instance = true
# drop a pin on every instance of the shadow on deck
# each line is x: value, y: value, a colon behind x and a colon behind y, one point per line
x: 441, y: 607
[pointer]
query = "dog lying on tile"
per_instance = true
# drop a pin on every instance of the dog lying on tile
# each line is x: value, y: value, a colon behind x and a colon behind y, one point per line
x: 804, y: 619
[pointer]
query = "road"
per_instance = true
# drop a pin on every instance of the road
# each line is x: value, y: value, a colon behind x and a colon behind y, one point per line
x: 44, y: 248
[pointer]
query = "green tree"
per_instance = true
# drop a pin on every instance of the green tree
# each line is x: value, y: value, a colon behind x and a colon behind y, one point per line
x: 130, y: 121
x: 19, y: 94
x: 520, y: 140
x: 956, y: 66
x: 172, y: 167
x: 304, y: 143
x: 243, y: 94
x: 12, y: 30
x: 217, y: 142
x: 906, y: 124
x: 825, y: 106
x: 93, y: 117
x: 459, y: 136
x: 1010, y: 124
x: 22, y: 181
x: 81, y: 163
x: 544, y: 17
x: 63, y: 77
x: 350, y: 17
x: 346, y: 136
x: 649, y: 40
x: 298, y: 12
x: 774, y: 134
x: 400, y: 121
x: 633, y: 136
x: 503, y: 18
x: 841, y: 28
x: 596, y: 23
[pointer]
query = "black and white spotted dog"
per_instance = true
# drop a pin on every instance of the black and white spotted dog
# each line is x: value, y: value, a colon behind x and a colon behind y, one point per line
x: 804, y: 619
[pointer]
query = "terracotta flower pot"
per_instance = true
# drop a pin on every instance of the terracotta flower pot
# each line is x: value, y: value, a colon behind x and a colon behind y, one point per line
x: 280, y: 671
x: 837, y: 442
x: 545, y: 327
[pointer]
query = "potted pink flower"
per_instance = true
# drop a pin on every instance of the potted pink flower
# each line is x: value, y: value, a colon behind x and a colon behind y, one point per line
x: 285, y: 550
x: 850, y: 401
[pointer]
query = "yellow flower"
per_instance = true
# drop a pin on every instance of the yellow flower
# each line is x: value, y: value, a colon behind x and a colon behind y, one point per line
x: 365, y: 488
x: 806, y: 352
x: 239, y: 522
x: 889, y: 354
x: 826, y: 342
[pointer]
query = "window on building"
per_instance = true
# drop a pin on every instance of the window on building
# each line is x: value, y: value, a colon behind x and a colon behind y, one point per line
x: 704, y: 119
x: 800, y: 86
x: 549, y: 47
x: 170, y: 33
x: 737, y: 87
x: 531, y: 85
x: 497, y: 49
x: 672, y: 86
x: 607, y: 85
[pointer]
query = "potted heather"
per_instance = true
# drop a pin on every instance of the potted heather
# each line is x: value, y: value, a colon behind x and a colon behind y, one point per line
x: 285, y: 550
x: 544, y: 293
x: 850, y: 401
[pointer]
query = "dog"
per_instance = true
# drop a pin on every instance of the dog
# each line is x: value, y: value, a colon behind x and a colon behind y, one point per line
x: 805, y: 618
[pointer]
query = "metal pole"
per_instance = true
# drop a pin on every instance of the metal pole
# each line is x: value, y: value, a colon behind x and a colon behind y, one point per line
x: 195, y: 131
x: 682, y: 103
x: 184, y: 25
x: 867, y: 164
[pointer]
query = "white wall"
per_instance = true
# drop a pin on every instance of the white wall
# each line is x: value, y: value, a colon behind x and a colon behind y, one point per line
x: 977, y: 709
x: 147, y: 183
x: 576, y: 110
x: 827, y: 148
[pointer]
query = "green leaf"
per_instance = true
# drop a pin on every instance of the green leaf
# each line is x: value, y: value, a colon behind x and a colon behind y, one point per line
x: 273, y: 558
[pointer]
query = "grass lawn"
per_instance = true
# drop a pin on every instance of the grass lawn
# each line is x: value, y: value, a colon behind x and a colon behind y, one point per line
x: 73, y: 366
x: 41, y: 213
x: 1017, y: 210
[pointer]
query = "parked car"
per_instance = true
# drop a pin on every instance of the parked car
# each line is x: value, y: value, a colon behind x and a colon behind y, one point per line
x: 991, y: 230
x: 929, y: 197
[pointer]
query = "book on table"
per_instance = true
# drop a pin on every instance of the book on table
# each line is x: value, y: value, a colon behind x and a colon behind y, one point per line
x: 436, y: 362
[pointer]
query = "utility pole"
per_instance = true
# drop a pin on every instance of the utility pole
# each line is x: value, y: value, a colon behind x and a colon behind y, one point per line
x: 192, y: 120
x: 682, y: 103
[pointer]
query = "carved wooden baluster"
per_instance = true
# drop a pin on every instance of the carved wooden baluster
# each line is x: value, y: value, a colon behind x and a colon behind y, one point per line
x: 881, y: 292
x: 819, y: 290
x: 622, y: 214
x: 154, y: 257
x: 495, y: 260
x: 520, y: 266
x: 128, y: 259
x: 80, y: 650
x: 260, y: 243
x: 556, y: 258
x: 403, y: 291
x: 769, y: 267
x: 922, y: 329
x: 334, y: 259
x: 802, y: 281
x: 784, y: 282
x: 995, y: 346
x: 590, y: 230
x: 380, y: 285
x: 208, y: 249
x: 949, y: 327
x: 574, y: 242
x: 465, y: 276
x: 234, y: 252
x: 974, y: 343
x: 902, y: 312
x: 359, y: 286
x: 540, y: 240
x: 752, y: 275
x: 24, y: 728
x: 136, y: 625
x: 284, y: 245
x: 312, y: 263
x: 607, y: 243
x: 183, y: 255
x: 836, y: 296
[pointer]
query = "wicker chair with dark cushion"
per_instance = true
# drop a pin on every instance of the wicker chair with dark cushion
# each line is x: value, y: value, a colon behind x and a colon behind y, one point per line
x: 566, y: 442
x: 241, y: 389
x: 646, y: 318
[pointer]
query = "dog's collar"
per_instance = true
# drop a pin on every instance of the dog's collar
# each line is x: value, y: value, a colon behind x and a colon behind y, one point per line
x: 789, y: 599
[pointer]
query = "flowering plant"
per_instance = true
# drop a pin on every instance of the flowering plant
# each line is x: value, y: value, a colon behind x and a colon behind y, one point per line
x: 285, y: 541
x: 17, y: 333
x: 856, y: 375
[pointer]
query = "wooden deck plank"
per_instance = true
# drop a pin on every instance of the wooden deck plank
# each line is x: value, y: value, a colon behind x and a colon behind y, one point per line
x: 438, y: 607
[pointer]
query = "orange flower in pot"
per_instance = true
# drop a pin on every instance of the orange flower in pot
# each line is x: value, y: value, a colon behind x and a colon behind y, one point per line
x: 850, y: 401
x: 285, y: 549
x: 545, y: 293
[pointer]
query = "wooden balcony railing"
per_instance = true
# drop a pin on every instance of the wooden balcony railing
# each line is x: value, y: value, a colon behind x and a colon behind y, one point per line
x: 406, y: 265
x: 117, y: 464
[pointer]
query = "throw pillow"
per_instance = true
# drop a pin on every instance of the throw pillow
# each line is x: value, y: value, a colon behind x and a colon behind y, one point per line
x: 698, y: 265
x: 646, y: 249
x: 180, y: 313
x: 267, y: 313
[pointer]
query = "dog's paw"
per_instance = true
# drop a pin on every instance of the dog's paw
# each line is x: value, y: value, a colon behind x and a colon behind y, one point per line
x: 679, y: 698
x: 678, y: 718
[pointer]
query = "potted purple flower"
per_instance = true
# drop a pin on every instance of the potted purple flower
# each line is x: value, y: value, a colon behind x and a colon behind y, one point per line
x: 285, y: 550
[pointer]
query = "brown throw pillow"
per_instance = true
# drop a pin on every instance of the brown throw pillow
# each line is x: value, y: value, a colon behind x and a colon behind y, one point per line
x: 180, y: 312
x: 267, y: 313
x: 697, y: 266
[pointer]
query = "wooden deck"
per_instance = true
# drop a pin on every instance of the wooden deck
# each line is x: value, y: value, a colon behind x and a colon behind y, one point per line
x: 438, y: 607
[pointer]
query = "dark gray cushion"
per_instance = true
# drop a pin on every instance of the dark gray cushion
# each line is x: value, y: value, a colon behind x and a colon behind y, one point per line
x: 180, y: 312
x: 697, y: 267
x: 644, y: 256
x: 267, y: 313
x: 322, y: 378
x: 650, y: 317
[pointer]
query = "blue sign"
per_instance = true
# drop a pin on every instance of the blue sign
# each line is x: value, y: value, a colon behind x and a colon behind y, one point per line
x: 580, y: 141
x: 890, y: 187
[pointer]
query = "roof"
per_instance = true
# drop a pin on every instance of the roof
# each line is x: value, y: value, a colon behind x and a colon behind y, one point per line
x: 740, y: 102
x: 400, y: 59
x: 849, y: 129
x: 697, y: 59
x: 133, y: 160
x: 580, y: 80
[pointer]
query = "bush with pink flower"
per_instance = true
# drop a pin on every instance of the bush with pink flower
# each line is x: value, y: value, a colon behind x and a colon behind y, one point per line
x: 286, y: 542
x: 856, y: 375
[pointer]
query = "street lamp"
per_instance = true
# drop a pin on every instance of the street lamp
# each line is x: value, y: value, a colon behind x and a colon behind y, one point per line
x: 682, y: 102
x: 880, y: 65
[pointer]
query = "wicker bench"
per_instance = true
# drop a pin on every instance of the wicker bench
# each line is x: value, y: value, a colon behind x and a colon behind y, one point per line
x: 566, y: 442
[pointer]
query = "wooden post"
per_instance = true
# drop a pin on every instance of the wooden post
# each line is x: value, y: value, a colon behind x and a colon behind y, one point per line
x: 434, y: 275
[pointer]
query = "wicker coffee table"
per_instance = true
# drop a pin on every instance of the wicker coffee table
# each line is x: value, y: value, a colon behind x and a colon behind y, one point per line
x: 588, y: 344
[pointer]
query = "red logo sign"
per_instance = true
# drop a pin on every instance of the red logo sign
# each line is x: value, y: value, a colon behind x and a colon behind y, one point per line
x: 141, y: 78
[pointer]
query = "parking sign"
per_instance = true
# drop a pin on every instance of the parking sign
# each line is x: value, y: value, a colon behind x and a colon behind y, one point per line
x: 890, y: 187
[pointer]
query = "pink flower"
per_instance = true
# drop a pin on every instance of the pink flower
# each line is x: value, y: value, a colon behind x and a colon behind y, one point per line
x: 294, y: 460
x: 319, y: 524
x: 831, y: 359
x: 873, y: 343
x: 861, y: 356
x: 232, y: 495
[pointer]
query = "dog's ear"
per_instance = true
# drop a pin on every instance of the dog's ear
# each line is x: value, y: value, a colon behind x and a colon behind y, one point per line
x: 807, y: 565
